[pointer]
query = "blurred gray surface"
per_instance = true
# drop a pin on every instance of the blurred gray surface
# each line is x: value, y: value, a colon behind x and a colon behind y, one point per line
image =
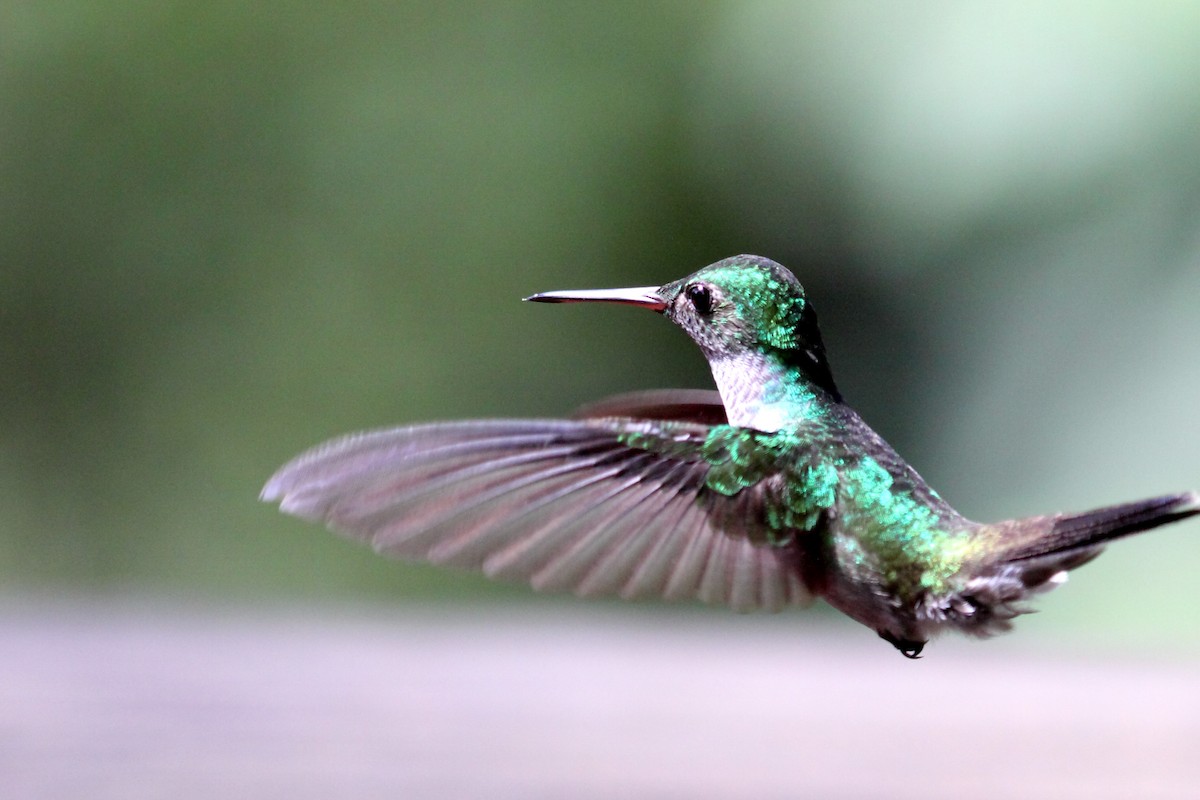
x: 153, y: 699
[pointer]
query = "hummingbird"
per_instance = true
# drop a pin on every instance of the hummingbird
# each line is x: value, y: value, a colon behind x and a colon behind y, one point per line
x: 766, y: 493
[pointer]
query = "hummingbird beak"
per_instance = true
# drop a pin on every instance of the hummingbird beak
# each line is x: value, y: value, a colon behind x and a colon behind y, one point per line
x: 644, y: 296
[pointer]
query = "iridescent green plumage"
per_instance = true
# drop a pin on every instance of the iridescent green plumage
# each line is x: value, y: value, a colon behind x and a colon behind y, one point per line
x: 767, y: 494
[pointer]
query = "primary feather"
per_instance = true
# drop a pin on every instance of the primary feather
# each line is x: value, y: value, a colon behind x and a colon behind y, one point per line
x: 561, y: 504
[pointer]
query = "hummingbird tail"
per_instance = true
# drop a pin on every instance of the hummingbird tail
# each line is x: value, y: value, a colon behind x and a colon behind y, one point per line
x: 1067, y: 535
x: 1035, y: 554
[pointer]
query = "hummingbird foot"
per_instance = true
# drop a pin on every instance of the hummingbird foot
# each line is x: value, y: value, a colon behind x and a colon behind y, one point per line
x: 907, y: 647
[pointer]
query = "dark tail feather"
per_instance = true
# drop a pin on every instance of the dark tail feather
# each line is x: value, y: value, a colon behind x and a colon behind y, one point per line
x: 1067, y: 534
x: 1035, y: 554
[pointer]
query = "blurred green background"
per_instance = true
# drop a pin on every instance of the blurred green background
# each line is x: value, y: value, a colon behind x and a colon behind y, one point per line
x: 231, y: 230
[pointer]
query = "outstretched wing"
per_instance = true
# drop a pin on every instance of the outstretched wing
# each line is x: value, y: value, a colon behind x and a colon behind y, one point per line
x: 595, y: 506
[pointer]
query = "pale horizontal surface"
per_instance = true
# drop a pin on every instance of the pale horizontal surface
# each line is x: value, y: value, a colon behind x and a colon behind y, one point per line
x: 150, y: 699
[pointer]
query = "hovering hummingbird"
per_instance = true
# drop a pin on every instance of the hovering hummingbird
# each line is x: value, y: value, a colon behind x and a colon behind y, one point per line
x: 767, y: 493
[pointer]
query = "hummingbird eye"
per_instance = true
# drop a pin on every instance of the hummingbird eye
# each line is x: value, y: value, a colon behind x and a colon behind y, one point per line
x: 700, y: 296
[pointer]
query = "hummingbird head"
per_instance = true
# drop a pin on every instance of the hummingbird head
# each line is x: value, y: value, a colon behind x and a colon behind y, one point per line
x: 739, y: 308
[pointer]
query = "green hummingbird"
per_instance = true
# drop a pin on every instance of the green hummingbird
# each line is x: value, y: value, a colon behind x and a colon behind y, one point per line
x: 767, y: 493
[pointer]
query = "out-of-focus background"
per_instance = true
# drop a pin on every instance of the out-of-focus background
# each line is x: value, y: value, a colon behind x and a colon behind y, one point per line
x: 231, y: 230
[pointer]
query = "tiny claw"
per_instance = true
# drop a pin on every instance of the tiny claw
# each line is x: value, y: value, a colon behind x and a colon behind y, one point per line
x: 907, y: 647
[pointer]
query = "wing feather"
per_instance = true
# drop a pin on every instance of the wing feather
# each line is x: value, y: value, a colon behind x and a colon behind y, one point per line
x: 414, y: 529
x: 635, y: 509
x: 507, y: 520
x: 653, y: 573
x: 686, y: 573
x: 714, y: 580
x: 703, y: 406
x: 595, y: 506
x: 633, y: 541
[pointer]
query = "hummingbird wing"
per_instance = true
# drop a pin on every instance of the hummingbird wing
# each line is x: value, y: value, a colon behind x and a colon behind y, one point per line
x: 604, y: 506
x: 703, y: 406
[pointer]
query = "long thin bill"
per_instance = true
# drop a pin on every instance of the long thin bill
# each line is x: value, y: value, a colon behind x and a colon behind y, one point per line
x: 644, y: 296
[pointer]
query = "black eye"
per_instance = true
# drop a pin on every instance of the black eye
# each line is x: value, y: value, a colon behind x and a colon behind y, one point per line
x: 700, y: 297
